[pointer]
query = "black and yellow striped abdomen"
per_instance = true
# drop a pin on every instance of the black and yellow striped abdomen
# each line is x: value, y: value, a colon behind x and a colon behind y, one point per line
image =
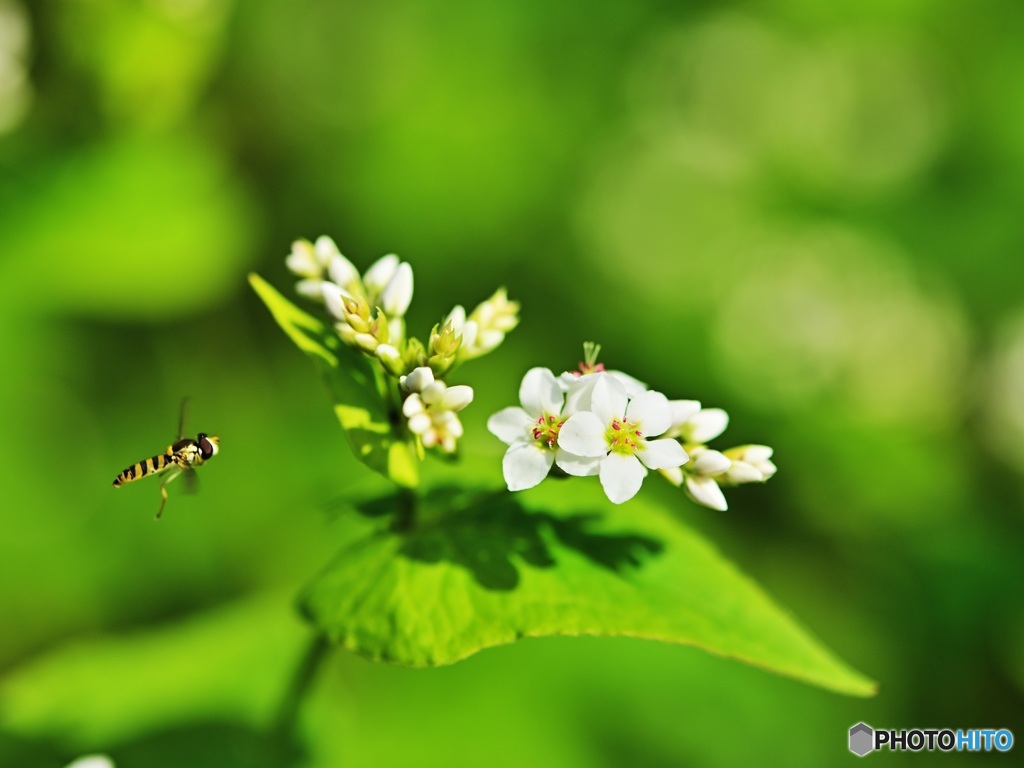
x: 146, y: 467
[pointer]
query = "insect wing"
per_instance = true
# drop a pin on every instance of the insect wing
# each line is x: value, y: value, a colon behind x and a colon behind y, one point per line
x: 190, y: 479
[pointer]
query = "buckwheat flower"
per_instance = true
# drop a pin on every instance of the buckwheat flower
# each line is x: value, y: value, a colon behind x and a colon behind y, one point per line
x: 693, y: 424
x: 531, y: 433
x: 485, y: 327
x: 702, y: 477
x: 435, y: 427
x: 579, y: 387
x: 390, y: 358
x: 467, y: 329
x: 357, y: 325
x: 617, y: 431
x: 579, y: 384
x: 342, y: 272
x: 749, y: 464
x: 380, y: 273
x: 388, y: 284
x: 308, y: 262
x: 396, y: 296
x: 443, y: 348
x: 431, y: 408
x: 92, y: 761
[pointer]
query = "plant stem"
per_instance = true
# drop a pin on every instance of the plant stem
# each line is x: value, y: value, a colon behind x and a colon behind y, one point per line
x: 302, y: 680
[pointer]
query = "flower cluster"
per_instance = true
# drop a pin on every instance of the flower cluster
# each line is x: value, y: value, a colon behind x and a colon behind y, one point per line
x: 369, y: 315
x: 710, y: 470
x: 606, y: 423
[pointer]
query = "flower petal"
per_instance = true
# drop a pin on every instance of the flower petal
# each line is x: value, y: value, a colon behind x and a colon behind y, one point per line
x: 380, y: 273
x: 420, y: 423
x: 525, y: 465
x: 683, y: 411
x: 652, y: 411
x: 397, y: 296
x: 755, y: 454
x: 673, y: 474
x: 579, y: 466
x: 91, y: 761
x: 434, y: 393
x: 705, y: 491
x: 458, y: 397
x: 413, y: 405
x: 469, y: 333
x: 583, y: 435
x: 540, y: 394
x: 608, y: 400
x: 418, y: 380
x: 621, y: 477
x: 633, y: 387
x: 706, y: 424
x: 662, y: 454
x: 578, y: 390
x: 742, y: 472
x: 311, y: 288
x: 510, y: 425
x: 325, y: 249
x: 707, y: 462
x: 457, y: 317
x: 334, y: 298
x: 302, y: 260
x: 343, y: 271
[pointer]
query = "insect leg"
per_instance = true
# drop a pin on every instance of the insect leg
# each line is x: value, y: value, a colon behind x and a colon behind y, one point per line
x: 163, y: 489
x: 181, y: 419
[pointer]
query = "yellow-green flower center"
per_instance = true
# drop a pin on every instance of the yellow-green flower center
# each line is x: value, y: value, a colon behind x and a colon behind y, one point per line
x: 545, y: 430
x: 624, y: 437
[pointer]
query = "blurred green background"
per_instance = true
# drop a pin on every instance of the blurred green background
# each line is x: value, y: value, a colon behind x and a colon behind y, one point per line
x: 807, y: 213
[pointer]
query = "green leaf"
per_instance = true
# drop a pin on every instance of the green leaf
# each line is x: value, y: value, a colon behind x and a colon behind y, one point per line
x: 478, y: 570
x: 113, y: 689
x: 361, y: 410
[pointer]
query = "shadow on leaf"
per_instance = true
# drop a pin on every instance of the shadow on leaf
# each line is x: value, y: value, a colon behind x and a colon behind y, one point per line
x: 490, y: 534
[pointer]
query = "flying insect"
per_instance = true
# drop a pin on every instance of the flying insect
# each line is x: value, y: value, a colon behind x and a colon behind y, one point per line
x: 180, y: 458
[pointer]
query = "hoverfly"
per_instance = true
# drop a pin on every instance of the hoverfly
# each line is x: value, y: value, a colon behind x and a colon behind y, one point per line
x: 181, y: 457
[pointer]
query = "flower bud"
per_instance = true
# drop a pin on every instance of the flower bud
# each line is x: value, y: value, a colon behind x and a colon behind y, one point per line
x: 391, y: 359
x: 397, y: 295
x: 750, y: 464
x: 303, y: 260
x: 414, y: 355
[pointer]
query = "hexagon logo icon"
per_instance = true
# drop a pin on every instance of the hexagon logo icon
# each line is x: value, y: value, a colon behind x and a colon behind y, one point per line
x: 862, y: 738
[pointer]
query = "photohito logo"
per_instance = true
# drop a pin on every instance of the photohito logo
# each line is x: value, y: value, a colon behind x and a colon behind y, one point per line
x: 865, y: 739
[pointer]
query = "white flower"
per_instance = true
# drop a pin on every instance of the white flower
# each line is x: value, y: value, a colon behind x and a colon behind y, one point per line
x: 342, y: 272
x: 485, y: 328
x: 306, y: 261
x: 467, y: 329
x: 749, y: 464
x: 616, y: 435
x: 431, y: 408
x: 334, y: 298
x: 380, y: 273
x: 702, y: 476
x: 693, y: 424
x: 579, y: 387
x: 390, y: 358
x: 417, y: 380
x: 397, y: 294
x: 387, y: 283
x: 92, y: 761
x: 531, y: 432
